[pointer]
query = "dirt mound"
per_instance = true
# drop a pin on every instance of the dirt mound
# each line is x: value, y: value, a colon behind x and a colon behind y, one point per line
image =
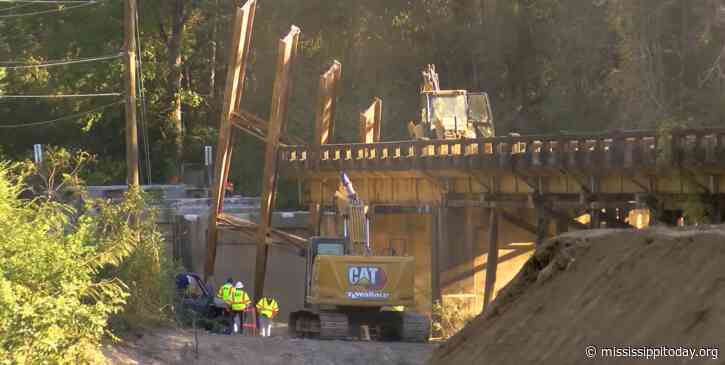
x: 617, y: 290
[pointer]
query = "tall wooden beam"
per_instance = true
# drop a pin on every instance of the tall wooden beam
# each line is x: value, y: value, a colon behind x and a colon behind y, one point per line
x: 327, y: 99
x: 280, y: 95
x: 257, y: 127
x: 239, y: 54
x: 370, y: 122
x: 492, y: 261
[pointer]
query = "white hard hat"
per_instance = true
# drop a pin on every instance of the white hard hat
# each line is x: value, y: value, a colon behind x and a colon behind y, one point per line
x: 239, y: 285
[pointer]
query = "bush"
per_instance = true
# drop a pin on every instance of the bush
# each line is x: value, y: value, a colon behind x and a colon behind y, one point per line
x: 450, y: 318
x: 53, y: 309
x: 147, y: 271
x: 64, y: 272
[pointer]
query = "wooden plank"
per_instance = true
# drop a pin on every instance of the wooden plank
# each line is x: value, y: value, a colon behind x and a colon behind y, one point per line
x: 370, y: 122
x: 492, y: 261
x: 238, y: 56
x: 278, y: 116
x: 257, y: 126
x: 327, y: 99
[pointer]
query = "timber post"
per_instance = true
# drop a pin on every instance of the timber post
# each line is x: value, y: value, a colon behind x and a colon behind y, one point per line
x: 241, y: 39
x: 280, y: 95
x: 435, y: 281
x: 492, y: 260
x: 542, y: 219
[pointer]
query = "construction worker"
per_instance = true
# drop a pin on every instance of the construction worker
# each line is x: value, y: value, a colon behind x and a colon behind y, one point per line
x: 267, y: 308
x: 240, y: 302
x: 225, y: 291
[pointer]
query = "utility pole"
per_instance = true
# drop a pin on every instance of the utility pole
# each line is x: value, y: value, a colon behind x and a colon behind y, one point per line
x: 129, y: 30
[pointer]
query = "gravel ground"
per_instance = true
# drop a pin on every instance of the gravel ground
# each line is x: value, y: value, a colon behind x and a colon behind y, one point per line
x: 176, y: 346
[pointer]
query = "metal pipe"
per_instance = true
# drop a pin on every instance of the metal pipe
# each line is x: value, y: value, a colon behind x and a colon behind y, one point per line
x: 367, y: 233
x: 344, y: 227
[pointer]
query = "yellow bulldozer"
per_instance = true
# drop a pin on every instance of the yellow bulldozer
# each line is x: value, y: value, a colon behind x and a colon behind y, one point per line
x: 351, y: 292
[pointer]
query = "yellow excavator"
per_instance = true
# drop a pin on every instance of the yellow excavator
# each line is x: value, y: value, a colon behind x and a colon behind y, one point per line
x: 451, y: 114
x: 351, y: 292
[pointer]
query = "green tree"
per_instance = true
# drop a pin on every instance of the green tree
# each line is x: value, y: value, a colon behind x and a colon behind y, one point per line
x: 64, y: 273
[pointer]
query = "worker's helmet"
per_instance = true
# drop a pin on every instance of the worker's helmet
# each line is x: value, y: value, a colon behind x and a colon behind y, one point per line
x: 239, y: 285
x: 229, y: 281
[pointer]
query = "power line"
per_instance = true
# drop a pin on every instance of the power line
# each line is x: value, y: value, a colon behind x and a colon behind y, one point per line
x: 15, y: 7
x: 33, y: 124
x: 144, y: 120
x: 56, y: 96
x: 47, y: 1
x: 29, y: 62
x: 57, y: 63
x: 61, y: 9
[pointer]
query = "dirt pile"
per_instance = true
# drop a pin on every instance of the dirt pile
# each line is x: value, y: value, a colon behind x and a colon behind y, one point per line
x: 616, y: 290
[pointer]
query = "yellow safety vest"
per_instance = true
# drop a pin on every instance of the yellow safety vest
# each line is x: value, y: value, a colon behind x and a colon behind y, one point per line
x: 397, y: 308
x: 240, y: 300
x: 225, y: 292
x: 267, y: 307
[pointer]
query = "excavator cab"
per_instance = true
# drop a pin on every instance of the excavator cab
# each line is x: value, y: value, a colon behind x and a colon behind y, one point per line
x: 454, y: 114
x: 451, y: 114
x: 480, y: 114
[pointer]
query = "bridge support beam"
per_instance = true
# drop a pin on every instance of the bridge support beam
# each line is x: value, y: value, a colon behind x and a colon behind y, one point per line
x: 492, y: 261
x: 542, y: 220
x: 241, y: 39
x: 278, y: 116
x: 437, y: 240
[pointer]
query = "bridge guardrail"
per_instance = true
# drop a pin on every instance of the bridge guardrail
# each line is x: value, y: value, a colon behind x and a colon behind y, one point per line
x: 639, y: 149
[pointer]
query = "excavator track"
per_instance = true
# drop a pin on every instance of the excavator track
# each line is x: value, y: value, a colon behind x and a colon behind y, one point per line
x: 415, y: 328
x: 304, y: 324
x: 333, y: 326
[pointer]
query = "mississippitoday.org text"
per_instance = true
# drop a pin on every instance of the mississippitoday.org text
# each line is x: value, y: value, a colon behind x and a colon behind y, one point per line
x: 652, y: 352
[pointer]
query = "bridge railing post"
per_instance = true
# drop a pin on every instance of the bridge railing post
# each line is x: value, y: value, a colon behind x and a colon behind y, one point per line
x: 676, y: 153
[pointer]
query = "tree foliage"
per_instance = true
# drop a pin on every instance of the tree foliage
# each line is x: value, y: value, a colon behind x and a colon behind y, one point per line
x: 64, y: 272
x: 549, y: 65
x: 52, y: 307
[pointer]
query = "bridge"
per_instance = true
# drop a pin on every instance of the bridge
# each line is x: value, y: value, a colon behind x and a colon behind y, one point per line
x: 456, y: 190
